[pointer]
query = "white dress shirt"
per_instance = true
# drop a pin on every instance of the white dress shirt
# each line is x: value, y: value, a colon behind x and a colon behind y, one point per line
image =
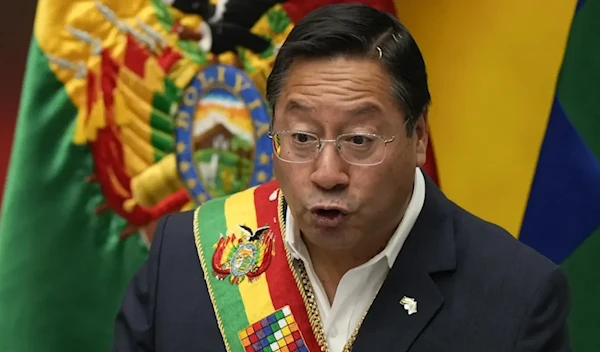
x: 359, y: 286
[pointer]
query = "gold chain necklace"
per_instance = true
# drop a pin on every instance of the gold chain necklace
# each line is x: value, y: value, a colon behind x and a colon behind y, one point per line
x: 306, y: 291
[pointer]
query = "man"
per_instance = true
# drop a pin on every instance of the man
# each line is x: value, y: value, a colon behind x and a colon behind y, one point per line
x: 354, y: 248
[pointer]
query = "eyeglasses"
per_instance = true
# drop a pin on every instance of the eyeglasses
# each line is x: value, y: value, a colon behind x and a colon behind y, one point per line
x: 363, y: 149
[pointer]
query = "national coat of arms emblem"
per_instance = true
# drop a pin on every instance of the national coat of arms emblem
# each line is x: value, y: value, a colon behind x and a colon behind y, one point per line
x: 170, y: 99
x: 245, y: 256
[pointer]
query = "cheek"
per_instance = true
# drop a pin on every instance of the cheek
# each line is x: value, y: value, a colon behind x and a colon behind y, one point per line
x: 371, y: 186
x: 293, y: 183
x: 392, y: 187
x: 382, y: 185
x: 289, y: 175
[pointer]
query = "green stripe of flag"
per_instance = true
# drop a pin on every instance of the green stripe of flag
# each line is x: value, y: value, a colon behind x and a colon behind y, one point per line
x: 579, y: 81
x: 63, y: 269
x: 212, y: 223
x: 582, y: 270
x: 578, y: 86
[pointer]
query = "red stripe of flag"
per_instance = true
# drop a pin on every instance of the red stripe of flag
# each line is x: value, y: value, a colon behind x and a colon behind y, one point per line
x: 282, y: 285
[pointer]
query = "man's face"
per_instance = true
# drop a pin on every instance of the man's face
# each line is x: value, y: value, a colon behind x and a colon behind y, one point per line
x: 330, y: 97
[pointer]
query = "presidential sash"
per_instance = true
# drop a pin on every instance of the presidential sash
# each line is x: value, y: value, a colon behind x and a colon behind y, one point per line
x: 249, y: 273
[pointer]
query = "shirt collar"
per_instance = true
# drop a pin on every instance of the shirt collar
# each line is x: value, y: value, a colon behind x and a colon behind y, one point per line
x: 392, y: 249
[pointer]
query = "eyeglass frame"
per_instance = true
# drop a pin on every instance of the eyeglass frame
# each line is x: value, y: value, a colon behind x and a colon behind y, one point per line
x: 322, y: 142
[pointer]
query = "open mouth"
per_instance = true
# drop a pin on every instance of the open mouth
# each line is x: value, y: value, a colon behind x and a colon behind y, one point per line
x: 328, y: 213
x: 328, y: 217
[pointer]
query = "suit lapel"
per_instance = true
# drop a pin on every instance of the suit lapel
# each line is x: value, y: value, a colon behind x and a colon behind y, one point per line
x: 428, y: 249
x: 388, y: 326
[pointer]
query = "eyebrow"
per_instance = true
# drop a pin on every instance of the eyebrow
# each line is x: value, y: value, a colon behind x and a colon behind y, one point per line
x: 362, y: 110
x: 296, y: 106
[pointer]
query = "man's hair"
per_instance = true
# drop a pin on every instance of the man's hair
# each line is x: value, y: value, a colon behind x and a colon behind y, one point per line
x: 357, y: 31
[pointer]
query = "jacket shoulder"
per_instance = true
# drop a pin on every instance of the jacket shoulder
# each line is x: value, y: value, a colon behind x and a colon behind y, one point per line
x: 489, y: 251
x: 510, y: 281
x: 177, y: 230
x: 174, y: 238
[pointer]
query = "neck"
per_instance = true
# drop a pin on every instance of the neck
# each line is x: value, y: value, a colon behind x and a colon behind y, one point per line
x: 341, y: 261
x: 331, y: 265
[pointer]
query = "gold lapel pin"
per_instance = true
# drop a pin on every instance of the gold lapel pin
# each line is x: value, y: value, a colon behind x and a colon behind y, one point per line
x: 410, y: 305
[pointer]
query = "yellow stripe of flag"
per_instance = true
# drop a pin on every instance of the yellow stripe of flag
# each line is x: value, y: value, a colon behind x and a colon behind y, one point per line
x: 492, y: 69
x: 255, y: 295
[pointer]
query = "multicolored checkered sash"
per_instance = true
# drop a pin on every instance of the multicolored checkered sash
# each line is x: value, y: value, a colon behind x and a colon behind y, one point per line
x: 249, y: 273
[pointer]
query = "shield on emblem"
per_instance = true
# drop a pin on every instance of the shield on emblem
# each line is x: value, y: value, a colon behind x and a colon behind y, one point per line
x: 222, y: 134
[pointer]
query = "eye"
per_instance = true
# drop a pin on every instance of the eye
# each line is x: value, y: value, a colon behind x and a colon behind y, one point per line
x: 303, y: 138
x: 358, y: 140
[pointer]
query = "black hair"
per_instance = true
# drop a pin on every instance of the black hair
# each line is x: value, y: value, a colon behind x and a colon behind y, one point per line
x: 360, y: 31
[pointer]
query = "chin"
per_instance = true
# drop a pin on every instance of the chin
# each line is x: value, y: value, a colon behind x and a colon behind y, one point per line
x: 333, y: 240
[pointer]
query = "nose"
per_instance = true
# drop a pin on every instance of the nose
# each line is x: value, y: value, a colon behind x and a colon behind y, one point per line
x: 330, y: 171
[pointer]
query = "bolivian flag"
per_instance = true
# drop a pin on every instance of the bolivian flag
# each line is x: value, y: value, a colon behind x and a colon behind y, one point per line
x: 516, y: 125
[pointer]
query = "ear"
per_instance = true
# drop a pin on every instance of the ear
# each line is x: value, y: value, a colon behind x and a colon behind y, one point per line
x: 421, y: 135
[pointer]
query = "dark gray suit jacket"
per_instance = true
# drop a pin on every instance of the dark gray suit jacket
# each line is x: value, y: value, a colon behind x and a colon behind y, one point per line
x: 477, y: 288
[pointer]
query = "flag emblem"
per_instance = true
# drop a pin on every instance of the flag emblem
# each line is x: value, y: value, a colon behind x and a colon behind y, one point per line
x: 248, y: 255
x: 410, y: 305
x: 276, y: 332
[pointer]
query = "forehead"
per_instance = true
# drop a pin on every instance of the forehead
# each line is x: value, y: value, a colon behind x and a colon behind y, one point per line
x: 340, y: 86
